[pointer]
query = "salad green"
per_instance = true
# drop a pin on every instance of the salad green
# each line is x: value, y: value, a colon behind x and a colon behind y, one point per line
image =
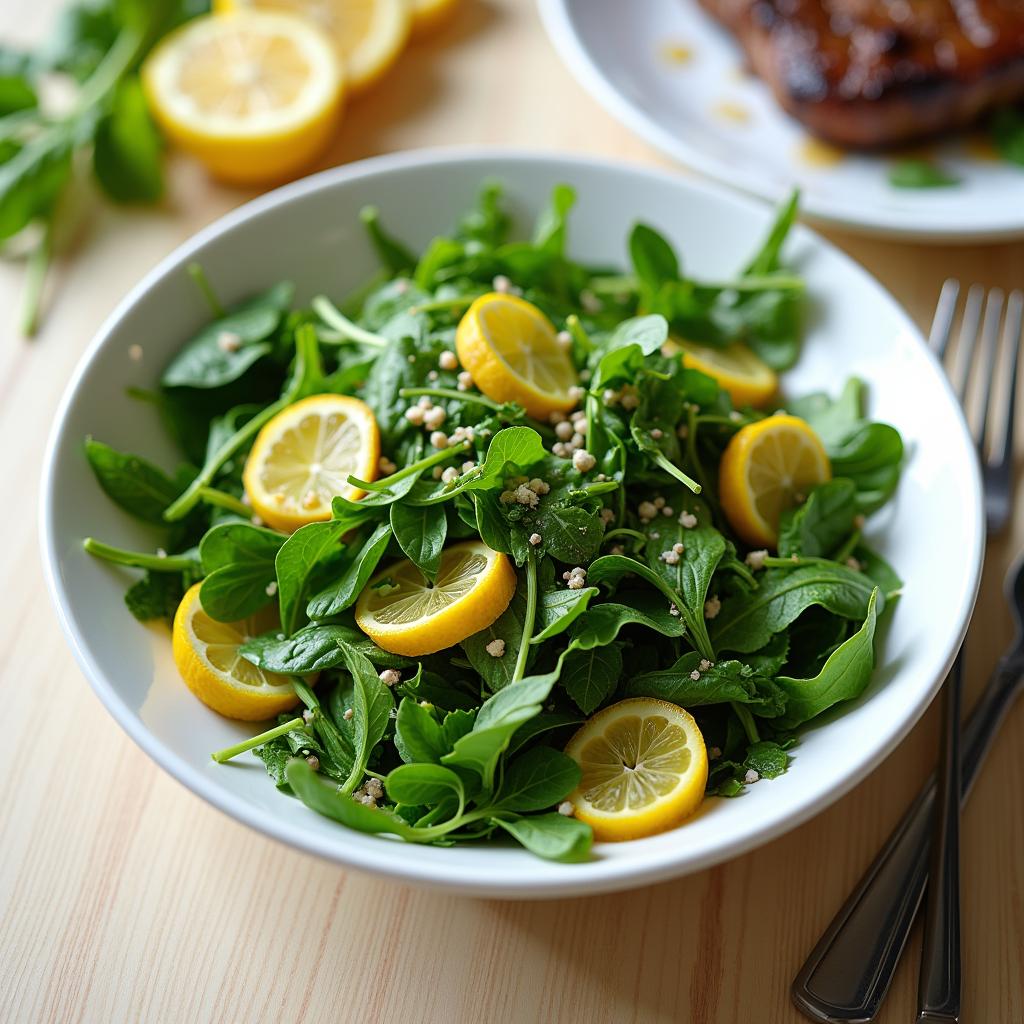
x: 461, y: 744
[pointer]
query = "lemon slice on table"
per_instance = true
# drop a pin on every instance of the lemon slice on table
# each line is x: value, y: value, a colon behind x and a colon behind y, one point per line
x: 367, y: 34
x: 644, y: 769
x: 429, y: 14
x: 765, y: 469
x: 744, y: 376
x: 206, y: 654
x: 404, y: 613
x: 511, y: 351
x: 253, y: 96
x: 304, y: 456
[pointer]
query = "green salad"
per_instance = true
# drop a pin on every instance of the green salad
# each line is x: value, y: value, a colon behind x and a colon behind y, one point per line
x: 509, y: 544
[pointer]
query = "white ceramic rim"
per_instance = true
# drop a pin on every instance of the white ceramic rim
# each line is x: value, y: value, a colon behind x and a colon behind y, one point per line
x: 893, y: 224
x: 606, y: 876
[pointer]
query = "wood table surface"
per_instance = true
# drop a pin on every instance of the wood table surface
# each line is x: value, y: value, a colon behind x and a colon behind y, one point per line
x: 123, y: 897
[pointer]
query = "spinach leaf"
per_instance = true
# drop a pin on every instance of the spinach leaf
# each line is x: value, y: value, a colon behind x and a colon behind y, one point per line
x: 767, y: 758
x: 497, y: 673
x: 372, y: 706
x: 1007, y: 129
x: 497, y: 720
x: 816, y: 528
x: 570, y: 534
x: 654, y: 260
x: 551, y: 836
x: 359, y: 568
x: 418, y: 735
x: 134, y: 484
x: 844, y: 676
x: 601, y: 625
x: 536, y: 780
x: 423, y: 785
x: 230, y: 543
x: 127, y: 148
x: 238, y: 560
x: 510, y: 450
x: 590, y: 676
x: 557, y: 607
x: 314, y: 648
x: 546, y: 721
x: 392, y: 253
x: 420, y: 532
x: 224, y: 349
x: 913, y: 172
x: 748, y: 621
x: 156, y: 596
x: 297, y: 560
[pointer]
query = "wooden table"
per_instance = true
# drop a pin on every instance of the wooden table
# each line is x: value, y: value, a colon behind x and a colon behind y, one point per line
x: 123, y: 897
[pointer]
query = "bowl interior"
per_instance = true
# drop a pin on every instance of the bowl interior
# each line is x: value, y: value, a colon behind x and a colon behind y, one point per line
x: 309, y: 232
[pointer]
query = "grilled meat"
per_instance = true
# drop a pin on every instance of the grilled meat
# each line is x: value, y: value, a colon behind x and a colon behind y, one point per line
x: 874, y: 73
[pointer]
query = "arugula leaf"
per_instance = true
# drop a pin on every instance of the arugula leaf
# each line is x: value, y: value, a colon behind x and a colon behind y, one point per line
x: 372, y: 705
x: 420, y: 531
x: 296, y: 561
x: 392, y: 253
x: 601, y: 625
x: 536, y: 780
x: 418, y: 735
x: 748, y: 621
x: 845, y: 675
x: 590, y: 676
x: 224, y: 349
x: 134, y: 484
x: 551, y: 836
x: 423, y: 784
x: 334, y: 599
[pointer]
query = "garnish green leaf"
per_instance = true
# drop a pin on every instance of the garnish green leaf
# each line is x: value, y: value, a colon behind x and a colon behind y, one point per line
x: 314, y: 648
x: 127, y: 148
x: 297, y: 560
x: 551, y: 836
x: 590, y: 676
x: 918, y: 173
x: 822, y: 523
x: 423, y: 784
x: 372, y: 706
x: 134, y: 484
x: 418, y: 735
x: 536, y: 780
x: 420, y: 532
x: 358, y: 569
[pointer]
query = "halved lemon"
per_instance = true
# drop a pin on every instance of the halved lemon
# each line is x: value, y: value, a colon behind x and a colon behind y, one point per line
x: 407, y: 614
x: 747, y: 379
x: 206, y: 653
x: 644, y: 769
x: 254, y: 96
x: 367, y: 34
x: 304, y: 456
x: 765, y: 469
x: 429, y: 14
x: 511, y: 350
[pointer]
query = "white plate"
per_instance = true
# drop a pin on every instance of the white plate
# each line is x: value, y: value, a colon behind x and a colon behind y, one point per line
x: 310, y: 232
x: 618, y: 51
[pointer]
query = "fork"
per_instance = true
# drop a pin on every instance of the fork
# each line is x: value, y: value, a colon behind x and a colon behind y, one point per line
x: 849, y: 971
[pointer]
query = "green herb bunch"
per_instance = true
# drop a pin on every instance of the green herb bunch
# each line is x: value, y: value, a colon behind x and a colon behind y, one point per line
x: 463, y: 744
x: 97, y: 47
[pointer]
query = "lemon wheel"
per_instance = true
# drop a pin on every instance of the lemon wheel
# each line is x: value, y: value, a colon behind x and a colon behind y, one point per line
x: 511, y: 350
x: 766, y: 468
x: 206, y: 654
x: 746, y: 378
x: 644, y: 769
x: 368, y: 34
x: 253, y: 96
x: 406, y: 614
x: 304, y: 456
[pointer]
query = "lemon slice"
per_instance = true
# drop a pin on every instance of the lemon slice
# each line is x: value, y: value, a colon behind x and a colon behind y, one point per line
x: 404, y: 613
x: 304, y: 456
x: 765, y: 469
x: 644, y: 769
x: 206, y: 653
x: 745, y: 377
x: 511, y: 350
x: 429, y: 14
x: 253, y: 96
x: 368, y: 34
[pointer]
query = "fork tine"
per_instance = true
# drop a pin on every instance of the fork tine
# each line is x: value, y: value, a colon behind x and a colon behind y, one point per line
x: 968, y: 339
x: 942, y: 324
x: 986, y: 366
x: 1012, y: 338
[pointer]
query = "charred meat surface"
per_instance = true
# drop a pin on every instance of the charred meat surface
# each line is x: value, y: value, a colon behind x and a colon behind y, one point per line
x: 875, y: 73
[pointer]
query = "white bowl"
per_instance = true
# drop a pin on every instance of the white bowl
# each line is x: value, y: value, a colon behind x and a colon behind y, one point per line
x: 309, y: 232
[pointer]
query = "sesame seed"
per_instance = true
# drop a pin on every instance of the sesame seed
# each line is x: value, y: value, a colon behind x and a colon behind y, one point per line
x: 751, y: 776
x: 501, y: 284
x: 539, y: 486
x: 349, y: 712
x: 566, y: 808
x: 468, y: 467
x: 687, y: 520
x: 576, y: 393
x: 854, y: 564
x: 659, y: 502
x: 647, y: 510
x: 590, y: 302
x: 448, y: 360
x: 712, y: 606
x: 704, y: 664
x: 678, y: 547
x: 535, y: 539
x: 414, y: 414
x: 436, y: 472
x: 432, y: 375
x: 695, y: 675
x: 583, y: 461
x: 160, y: 553
x: 668, y: 510
x: 439, y: 439
x: 271, y: 588
x: 657, y: 433
x: 314, y: 762
x: 564, y: 338
x: 465, y: 380
x: 386, y: 466
x: 450, y: 475
x: 434, y: 418
x: 135, y: 353
x: 425, y: 402
x: 564, y: 430
x: 496, y: 648
x: 755, y: 559
x: 229, y: 341
x: 607, y: 516
x: 410, y: 359
x: 670, y: 557
x: 390, y: 676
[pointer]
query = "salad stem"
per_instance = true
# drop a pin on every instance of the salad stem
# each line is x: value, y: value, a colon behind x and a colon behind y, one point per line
x: 228, y: 502
x: 455, y: 396
x: 38, y: 265
x: 579, y: 335
x: 846, y: 551
x: 443, y: 305
x: 529, y: 619
x: 202, y: 282
x: 747, y: 721
x: 227, y: 753
x: 138, y: 559
x: 675, y: 471
x: 385, y: 482
x: 624, y: 531
x: 333, y: 317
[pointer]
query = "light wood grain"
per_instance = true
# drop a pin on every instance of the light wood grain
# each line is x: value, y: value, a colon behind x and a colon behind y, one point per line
x: 123, y: 897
